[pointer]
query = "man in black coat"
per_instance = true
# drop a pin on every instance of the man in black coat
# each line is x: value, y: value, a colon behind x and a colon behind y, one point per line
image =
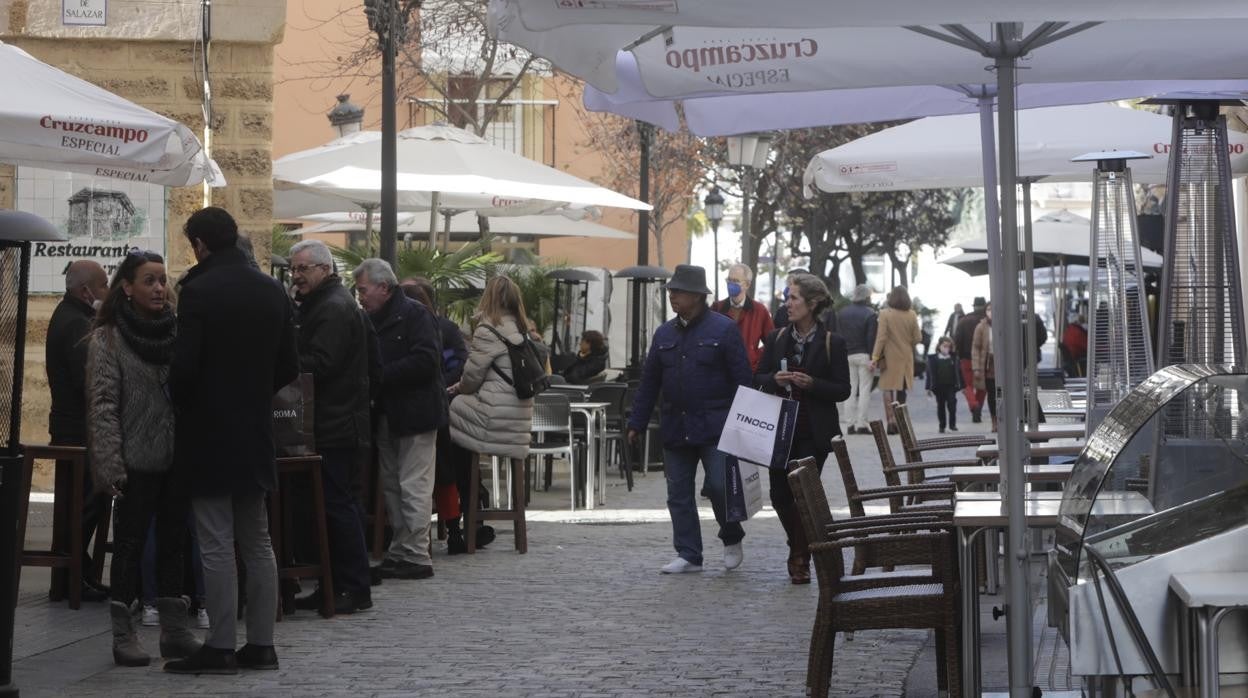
x: 235, y: 349
x: 86, y: 284
x: 333, y: 347
x: 412, y: 408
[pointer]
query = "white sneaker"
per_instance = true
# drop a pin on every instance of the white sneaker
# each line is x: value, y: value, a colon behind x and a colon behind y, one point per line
x: 202, y: 619
x: 679, y: 566
x: 733, y: 556
x: 151, y: 617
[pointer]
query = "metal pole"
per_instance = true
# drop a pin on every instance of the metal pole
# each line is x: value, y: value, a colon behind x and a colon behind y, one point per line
x: 715, y: 241
x: 10, y: 498
x: 1013, y: 449
x: 369, y: 210
x: 446, y: 230
x: 644, y: 131
x: 747, y: 190
x: 389, y: 138
x: 433, y: 220
x: 775, y: 269
x: 1029, y: 325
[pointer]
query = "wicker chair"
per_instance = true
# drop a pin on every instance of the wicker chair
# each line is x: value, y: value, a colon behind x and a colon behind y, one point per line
x: 914, y: 447
x: 916, y: 473
x: 884, y: 601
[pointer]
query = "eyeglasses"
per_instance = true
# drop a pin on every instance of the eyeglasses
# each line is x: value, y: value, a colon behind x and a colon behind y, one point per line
x: 305, y: 268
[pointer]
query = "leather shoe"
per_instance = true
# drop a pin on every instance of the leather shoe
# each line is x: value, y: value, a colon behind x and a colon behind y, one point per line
x: 93, y: 592
x: 349, y: 602
x: 408, y: 570
x: 257, y: 657
x: 206, y: 660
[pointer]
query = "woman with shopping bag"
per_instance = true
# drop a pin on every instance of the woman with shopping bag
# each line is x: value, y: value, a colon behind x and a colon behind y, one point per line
x: 807, y: 363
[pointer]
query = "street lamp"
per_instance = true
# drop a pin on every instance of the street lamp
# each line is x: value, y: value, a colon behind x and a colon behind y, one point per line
x: 345, y: 117
x: 713, y: 205
x: 749, y: 152
x: 388, y: 18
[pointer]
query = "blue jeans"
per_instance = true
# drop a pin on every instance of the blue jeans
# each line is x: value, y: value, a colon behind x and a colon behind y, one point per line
x: 680, y: 465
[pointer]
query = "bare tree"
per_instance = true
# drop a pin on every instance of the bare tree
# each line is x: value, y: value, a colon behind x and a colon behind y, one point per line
x: 677, y: 166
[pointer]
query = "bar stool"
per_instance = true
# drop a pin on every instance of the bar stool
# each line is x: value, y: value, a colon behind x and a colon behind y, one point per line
x: 289, y: 467
x: 70, y: 559
x: 475, y: 515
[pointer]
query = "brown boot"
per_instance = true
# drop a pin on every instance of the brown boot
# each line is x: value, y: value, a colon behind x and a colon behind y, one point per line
x: 799, y: 568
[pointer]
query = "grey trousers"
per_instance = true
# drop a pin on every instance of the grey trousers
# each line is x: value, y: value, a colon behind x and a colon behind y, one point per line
x: 407, y: 470
x: 221, y: 522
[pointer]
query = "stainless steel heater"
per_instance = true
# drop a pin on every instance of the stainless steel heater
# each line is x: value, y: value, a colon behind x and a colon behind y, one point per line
x: 1120, y: 353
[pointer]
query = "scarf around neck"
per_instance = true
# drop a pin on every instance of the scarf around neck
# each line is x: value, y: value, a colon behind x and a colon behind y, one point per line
x: 150, y: 338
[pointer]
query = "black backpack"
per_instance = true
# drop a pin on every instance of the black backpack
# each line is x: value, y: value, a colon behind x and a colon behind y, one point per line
x: 528, y: 366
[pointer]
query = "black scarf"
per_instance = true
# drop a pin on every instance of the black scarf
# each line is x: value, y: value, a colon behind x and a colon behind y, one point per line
x: 150, y: 338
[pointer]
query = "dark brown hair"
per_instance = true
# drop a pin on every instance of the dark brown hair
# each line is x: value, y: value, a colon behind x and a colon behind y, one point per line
x: 126, y: 271
x: 595, y: 339
x: 899, y: 298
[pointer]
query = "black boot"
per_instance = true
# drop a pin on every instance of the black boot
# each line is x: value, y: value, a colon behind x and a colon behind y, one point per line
x: 485, y: 535
x: 455, y: 543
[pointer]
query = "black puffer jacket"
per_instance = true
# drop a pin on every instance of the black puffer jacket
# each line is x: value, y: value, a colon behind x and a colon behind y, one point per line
x: 586, y: 367
x: 413, y: 395
x: 333, y: 347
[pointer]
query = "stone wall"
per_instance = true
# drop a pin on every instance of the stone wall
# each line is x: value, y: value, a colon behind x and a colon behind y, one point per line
x: 147, y: 54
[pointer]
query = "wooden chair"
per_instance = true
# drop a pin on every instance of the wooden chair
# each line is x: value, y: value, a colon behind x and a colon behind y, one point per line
x: 475, y: 515
x: 915, y: 447
x: 928, y: 599
x: 309, y: 466
x: 70, y: 503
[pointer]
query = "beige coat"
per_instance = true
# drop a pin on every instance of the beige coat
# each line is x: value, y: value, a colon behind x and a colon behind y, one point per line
x: 982, y: 355
x: 487, y: 417
x: 894, y: 342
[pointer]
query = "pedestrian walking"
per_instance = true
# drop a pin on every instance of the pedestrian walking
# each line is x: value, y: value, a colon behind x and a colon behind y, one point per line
x: 944, y: 380
x: 963, y: 338
x: 235, y: 349
x: 954, y: 318
x: 893, y: 354
x: 412, y: 407
x: 983, y: 362
x: 487, y: 417
x: 1074, y: 347
x: 65, y: 354
x: 807, y: 363
x: 858, y: 325
x: 753, y: 318
x: 333, y: 347
x: 132, y: 448
x: 695, y: 364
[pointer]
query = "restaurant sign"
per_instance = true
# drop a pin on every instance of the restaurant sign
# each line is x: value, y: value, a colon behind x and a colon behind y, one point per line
x: 84, y: 12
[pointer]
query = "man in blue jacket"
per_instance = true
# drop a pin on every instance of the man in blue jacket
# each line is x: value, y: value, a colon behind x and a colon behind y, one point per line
x: 695, y: 364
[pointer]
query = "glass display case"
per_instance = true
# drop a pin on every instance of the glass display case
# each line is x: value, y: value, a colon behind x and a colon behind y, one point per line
x: 1162, y: 486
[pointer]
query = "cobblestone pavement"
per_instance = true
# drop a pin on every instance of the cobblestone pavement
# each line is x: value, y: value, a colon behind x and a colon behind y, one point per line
x: 584, y: 613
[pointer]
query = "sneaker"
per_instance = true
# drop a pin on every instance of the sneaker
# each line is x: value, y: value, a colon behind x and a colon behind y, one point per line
x: 201, y: 619
x: 679, y: 566
x: 733, y: 556
x: 151, y: 617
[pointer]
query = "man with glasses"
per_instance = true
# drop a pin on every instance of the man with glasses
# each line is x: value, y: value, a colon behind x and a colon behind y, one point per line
x: 333, y: 347
x: 753, y: 318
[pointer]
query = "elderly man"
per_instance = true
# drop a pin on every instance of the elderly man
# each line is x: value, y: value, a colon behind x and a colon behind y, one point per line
x: 333, y: 347
x: 86, y: 284
x: 412, y: 407
x: 753, y: 319
x: 695, y: 364
x: 858, y: 325
x: 235, y: 349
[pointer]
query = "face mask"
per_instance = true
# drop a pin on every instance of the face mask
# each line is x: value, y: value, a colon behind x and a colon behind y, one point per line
x: 95, y: 302
x: 734, y: 289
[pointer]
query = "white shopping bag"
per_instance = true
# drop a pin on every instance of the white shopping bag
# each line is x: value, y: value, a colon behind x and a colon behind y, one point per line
x: 759, y: 428
x: 743, y: 488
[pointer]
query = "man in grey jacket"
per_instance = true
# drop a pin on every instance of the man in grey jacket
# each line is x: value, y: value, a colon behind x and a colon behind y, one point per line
x: 857, y: 324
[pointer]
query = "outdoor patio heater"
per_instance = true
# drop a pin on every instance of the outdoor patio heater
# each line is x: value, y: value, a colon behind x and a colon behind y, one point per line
x: 647, y: 309
x: 1120, y: 353
x: 571, y: 311
x: 1126, y: 528
x: 17, y: 231
x: 1202, y: 314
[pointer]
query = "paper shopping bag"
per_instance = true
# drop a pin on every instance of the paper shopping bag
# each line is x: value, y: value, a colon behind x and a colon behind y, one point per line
x: 759, y: 428
x: 744, y: 490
